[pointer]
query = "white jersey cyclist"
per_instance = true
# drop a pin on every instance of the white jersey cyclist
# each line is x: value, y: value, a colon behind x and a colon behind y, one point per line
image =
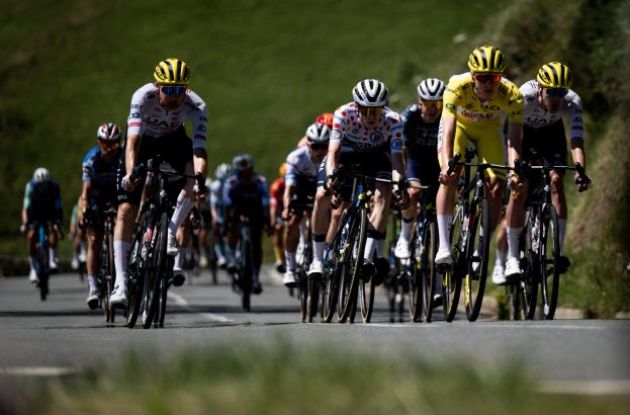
x: 148, y: 117
x: 535, y: 116
x: 385, y: 135
x: 299, y: 164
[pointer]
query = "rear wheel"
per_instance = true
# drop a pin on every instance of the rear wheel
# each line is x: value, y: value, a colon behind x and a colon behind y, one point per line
x: 428, y: 270
x: 43, y: 271
x: 246, y: 273
x: 136, y: 278
x: 477, y: 257
x: 549, y: 255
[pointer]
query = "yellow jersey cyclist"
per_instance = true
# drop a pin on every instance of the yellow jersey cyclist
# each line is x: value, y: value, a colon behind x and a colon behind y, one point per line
x: 156, y: 126
x: 476, y: 106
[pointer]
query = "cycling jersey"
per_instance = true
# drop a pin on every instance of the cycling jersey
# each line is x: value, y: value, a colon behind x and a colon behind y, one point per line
x: 276, y: 193
x: 349, y: 129
x: 420, y: 139
x: 42, y: 201
x: 482, y: 122
x: 216, y: 199
x: 250, y: 198
x: 300, y: 165
x: 95, y: 168
x: 148, y: 118
x: 535, y: 116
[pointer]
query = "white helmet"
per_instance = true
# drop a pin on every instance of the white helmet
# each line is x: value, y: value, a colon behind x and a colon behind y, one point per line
x: 431, y: 89
x: 41, y: 174
x: 242, y: 162
x: 222, y: 171
x: 109, y: 132
x: 370, y: 93
x: 318, y: 133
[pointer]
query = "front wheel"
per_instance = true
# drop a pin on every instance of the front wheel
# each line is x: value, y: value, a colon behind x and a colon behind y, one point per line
x: 477, y: 248
x: 549, y: 256
x: 452, y: 279
x: 354, y: 258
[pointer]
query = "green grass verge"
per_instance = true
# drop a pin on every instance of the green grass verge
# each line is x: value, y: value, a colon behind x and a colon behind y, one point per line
x: 282, y: 379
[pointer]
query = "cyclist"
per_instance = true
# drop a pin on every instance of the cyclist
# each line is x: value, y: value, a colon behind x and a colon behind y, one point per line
x: 276, y: 206
x: 549, y: 100
x: 325, y: 118
x: 155, y: 126
x: 99, y: 190
x: 476, y: 106
x: 421, y: 123
x: 368, y: 133
x: 246, y: 196
x: 42, y: 203
x: 217, y: 211
x: 78, y: 237
x: 301, y: 184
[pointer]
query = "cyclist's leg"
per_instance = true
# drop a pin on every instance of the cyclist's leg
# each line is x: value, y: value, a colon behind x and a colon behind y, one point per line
x: 291, y: 238
x: 409, y: 214
x: 94, y: 236
x: 320, y: 221
x: 183, y: 235
x: 31, y: 246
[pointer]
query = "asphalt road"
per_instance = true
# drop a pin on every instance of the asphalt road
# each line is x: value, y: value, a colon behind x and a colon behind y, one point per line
x: 62, y: 334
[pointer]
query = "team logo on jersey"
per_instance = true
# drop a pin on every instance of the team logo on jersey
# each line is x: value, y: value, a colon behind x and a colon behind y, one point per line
x: 376, y: 137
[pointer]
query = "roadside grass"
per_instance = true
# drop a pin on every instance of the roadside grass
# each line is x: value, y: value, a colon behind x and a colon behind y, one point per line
x: 283, y: 379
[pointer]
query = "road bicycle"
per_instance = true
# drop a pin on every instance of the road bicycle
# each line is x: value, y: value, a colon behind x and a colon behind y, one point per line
x: 42, y: 259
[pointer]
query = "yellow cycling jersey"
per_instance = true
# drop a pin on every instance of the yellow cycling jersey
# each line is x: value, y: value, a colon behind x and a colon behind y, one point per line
x: 475, y: 116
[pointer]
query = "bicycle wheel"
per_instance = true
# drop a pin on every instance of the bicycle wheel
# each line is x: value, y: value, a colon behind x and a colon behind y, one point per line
x: 313, y: 298
x: 42, y: 271
x: 352, y: 265
x: 135, y: 283
x: 365, y: 288
x: 152, y: 283
x: 331, y: 285
x: 528, y: 284
x: 549, y: 254
x: 478, y: 244
x: 107, y: 274
x: 166, y: 277
x: 452, y: 279
x: 246, y: 273
x: 302, y: 293
x: 427, y: 253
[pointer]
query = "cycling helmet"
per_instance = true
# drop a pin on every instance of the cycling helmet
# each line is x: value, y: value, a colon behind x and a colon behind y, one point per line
x: 222, y: 171
x: 41, y: 174
x: 486, y: 59
x: 318, y: 133
x: 431, y: 89
x: 242, y: 162
x: 370, y: 93
x: 554, y: 75
x: 326, y: 118
x: 109, y: 132
x: 172, y: 71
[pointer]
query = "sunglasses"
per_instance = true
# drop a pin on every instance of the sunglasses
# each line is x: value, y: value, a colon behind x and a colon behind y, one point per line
x: 370, y: 111
x: 493, y: 78
x: 431, y: 104
x: 319, y: 146
x: 173, y: 90
x: 110, y: 145
x: 557, y: 92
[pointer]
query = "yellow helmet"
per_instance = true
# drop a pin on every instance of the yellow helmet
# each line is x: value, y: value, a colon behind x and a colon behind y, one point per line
x: 283, y: 169
x: 554, y: 75
x: 486, y: 58
x: 172, y: 71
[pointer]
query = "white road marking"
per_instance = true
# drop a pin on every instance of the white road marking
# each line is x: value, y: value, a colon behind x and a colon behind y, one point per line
x: 37, y: 371
x: 181, y: 301
x: 587, y: 387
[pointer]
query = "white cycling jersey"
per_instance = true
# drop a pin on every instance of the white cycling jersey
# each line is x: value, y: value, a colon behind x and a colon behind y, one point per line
x: 147, y: 117
x: 349, y: 128
x: 535, y: 116
x: 299, y: 163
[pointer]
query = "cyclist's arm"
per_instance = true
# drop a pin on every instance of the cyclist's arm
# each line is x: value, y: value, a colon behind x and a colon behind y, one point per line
x: 132, y: 149
x: 200, y: 161
x: 289, y: 190
x: 27, y: 202
x: 448, y: 138
x: 332, y: 161
x: 577, y: 152
x: 85, y: 192
x: 515, y: 134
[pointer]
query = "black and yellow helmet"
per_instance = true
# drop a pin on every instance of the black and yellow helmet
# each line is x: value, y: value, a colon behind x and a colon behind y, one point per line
x: 486, y: 58
x: 554, y: 75
x: 172, y: 71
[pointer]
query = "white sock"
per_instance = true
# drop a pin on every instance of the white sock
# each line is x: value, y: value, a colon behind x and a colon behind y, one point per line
x: 51, y: 252
x: 512, y: 236
x: 405, y: 229
x: 562, y: 230
x: 179, y: 258
x: 444, y: 230
x: 290, y: 258
x: 500, y: 257
x: 121, y: 252
x: 318, y: 251
x: 181, y: 212
x: 31, y: 262
x: 370, y: 247
x: 92, y: 283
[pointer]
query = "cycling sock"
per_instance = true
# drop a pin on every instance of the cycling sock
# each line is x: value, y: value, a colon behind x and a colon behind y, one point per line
x: 444, y: 230
x: 181, y: 212
x: 319, y: 245
x: 121, y: 251
x: 277, y: 251
x: 512, y: 235
x: 92, y: 283
x: 406, y: 228
x: 179, y: 258
x: 31, y: 262
x: 290, y: 256
x: 562, y: 229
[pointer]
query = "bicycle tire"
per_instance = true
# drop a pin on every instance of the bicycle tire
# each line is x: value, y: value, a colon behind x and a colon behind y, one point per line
x: 246, y: 275
x: 530, y: 270
x: 136, y: 275
x: 42, y: 269
x: 428, y: 269
x: 478, y: 242
x: 152, y: 292
x: 452, y: 278
x: 549, y: 255
x: 313, y: 299
x: 330, y: 292
x: 107, y: 268
x: 302, y: 290
x: 357, y: 253
x: 164, y: 286
x: 344, y: 302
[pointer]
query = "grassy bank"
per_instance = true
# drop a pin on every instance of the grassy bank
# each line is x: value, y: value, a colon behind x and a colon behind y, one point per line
x: 282, y: 379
